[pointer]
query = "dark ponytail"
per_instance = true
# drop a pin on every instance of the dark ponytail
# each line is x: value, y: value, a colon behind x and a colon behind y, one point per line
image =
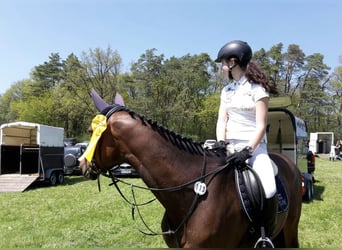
x: 255, y: 74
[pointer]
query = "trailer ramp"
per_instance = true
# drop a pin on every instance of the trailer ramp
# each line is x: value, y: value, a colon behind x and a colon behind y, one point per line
x: 16, y: 182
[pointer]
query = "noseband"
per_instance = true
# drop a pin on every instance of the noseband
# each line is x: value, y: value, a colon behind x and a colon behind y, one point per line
x: 91, y: 169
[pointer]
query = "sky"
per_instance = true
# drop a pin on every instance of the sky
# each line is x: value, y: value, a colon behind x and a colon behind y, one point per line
x: 30, y: 30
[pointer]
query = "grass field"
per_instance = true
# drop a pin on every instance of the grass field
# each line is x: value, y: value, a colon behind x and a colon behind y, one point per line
x: 76, y: 215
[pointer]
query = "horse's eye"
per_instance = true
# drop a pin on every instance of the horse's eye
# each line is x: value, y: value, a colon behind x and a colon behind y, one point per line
x: 90, y: 131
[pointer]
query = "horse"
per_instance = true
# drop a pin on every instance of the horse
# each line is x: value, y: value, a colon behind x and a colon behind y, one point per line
x: 165, y: 159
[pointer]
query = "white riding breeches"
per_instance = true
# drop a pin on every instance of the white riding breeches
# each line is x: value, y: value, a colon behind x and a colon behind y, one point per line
x: 261, y: 163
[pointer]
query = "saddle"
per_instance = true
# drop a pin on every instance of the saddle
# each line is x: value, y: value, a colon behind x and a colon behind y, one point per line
x: 252, y: 194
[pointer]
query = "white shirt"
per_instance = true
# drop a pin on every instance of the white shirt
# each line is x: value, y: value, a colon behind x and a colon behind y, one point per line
x: 239, y: 100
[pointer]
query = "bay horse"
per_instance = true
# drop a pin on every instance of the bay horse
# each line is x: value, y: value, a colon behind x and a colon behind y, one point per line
x: 165, y: 159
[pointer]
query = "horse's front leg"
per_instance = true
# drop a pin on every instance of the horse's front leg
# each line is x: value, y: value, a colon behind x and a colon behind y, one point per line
x: 172, y: 240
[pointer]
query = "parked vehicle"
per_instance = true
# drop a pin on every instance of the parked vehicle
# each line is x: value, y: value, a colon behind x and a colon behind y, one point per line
x: 30, y: 152
x: 124, y: 170
x: 209, y: 143
x: 69, y: 142
x: 71, y: 155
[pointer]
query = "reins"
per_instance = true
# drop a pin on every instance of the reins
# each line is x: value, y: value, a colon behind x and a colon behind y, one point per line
x: 199, y: 189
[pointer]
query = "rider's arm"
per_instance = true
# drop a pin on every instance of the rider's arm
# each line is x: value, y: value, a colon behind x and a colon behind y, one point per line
x: 221, y: 122
x: 261, y: 122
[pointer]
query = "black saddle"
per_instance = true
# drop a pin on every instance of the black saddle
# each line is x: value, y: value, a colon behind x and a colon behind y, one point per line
x: 252, y: 194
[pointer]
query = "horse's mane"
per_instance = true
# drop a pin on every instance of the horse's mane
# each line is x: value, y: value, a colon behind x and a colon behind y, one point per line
x: 183, y: 143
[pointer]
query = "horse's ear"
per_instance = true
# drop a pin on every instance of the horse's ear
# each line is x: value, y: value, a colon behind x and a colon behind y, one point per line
x: 100, y: 104
x: 118, y: 99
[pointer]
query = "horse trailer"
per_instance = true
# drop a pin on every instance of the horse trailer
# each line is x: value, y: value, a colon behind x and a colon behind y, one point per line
x: 287, y: 134
x: 30, y: 152
x: 321, y: 142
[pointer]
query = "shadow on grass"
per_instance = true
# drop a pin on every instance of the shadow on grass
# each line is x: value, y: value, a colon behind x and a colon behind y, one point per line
x: 318, y: 191
x: 71, y: 180
x: 68, y: 180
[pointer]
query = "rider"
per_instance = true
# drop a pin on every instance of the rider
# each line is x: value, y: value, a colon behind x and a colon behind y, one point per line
x: 242, y: 118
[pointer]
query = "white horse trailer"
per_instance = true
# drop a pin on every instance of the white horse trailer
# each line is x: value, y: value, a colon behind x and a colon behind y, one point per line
x: 321, y: 142
x: 30, y: 152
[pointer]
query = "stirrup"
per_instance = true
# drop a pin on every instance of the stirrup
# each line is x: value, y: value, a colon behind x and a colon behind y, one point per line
x: 263, y: 241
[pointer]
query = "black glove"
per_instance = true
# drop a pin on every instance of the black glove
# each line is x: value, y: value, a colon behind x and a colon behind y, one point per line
x: 241, y: 156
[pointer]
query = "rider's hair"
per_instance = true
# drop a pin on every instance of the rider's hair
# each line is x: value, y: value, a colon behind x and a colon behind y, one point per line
x: 256, y: 75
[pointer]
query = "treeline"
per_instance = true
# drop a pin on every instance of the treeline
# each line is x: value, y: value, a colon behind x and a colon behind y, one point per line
x: 181, y: 94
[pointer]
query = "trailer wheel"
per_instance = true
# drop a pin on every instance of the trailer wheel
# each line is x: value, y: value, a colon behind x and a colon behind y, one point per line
x: 60, y: 177
x: 312, y: 190
x: 309, y: 192
x: 53, y: 179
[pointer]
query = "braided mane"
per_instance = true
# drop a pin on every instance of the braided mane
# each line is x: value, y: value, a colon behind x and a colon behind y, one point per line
x: 183, y: 143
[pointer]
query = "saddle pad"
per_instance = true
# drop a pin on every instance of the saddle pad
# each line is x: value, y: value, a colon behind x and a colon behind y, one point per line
x: 282, y: 196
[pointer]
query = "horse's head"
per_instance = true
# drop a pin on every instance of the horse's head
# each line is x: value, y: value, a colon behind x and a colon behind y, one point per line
x: 103, y: 158
x: 102, y: 152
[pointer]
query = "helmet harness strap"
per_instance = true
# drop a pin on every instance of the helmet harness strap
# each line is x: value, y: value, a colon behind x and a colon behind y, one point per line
x: 230, y: 68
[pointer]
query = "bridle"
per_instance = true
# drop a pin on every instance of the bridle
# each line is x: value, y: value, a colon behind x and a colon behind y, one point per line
x: 91, y: 169
x: 197, y: 182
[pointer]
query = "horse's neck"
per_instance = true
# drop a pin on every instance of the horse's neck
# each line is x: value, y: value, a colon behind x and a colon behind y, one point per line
x: 158, y: 160
x: 162, y: 163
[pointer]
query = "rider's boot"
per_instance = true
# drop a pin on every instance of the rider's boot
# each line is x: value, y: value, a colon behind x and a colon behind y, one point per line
x: 269, y: 215
x: 268, y: 222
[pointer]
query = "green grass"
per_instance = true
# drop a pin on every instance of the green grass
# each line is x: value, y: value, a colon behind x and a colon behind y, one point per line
x: 321, y: 220
x: 76, y: 215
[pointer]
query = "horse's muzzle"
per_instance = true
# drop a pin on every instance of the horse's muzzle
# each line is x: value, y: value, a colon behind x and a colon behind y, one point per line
x: 87, y: 170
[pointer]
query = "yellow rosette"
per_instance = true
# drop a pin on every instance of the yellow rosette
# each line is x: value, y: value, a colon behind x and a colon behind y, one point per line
x: 98, y: 125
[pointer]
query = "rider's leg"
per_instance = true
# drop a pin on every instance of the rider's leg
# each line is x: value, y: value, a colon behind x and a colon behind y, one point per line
x: 262, y: 165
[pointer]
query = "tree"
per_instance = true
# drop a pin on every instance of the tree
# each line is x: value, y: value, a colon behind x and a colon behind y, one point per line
x: 13, y: 94
x: 102, y: 67
x: 181, y: 93
x: 47, y: 75
x: 99, y: 69
x: 145, y: 93
x: 336, y: 96
x: 272, y: 62
x: 314, y: 102
x: 172, y: 91
x: 36, y: 110
x: 294, y: 61
x: 208, y: 116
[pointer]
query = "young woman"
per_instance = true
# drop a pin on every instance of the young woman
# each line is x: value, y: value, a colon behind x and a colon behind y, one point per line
x: 242, y: 118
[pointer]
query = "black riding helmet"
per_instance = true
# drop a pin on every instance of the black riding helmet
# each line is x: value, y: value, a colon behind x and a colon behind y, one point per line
x: 239, y: 49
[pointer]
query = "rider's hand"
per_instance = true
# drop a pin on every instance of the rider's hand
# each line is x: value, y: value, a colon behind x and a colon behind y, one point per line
x: 241, y: 156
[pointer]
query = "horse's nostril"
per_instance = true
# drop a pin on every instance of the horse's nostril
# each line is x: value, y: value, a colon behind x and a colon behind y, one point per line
x: 87, y: 170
